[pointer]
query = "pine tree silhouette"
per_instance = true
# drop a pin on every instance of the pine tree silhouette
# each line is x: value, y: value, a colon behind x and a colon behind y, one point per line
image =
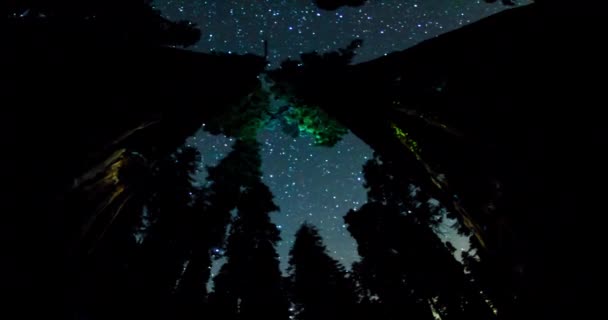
x: 127, y: 264
x: 249, y: 285
x: 168, y: 241
x: 319, y: 285
x: 382, y: 270
x: 240, y: 168
x: 386, y: 187
x: 405, y: 267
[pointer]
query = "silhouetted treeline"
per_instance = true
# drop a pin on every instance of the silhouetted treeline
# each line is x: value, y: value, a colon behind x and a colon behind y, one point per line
x: 405, y: 269
x: 101, y: 220
x: 472, y: 118
x: 318, y: 285
x: 152, y: 258
x: 95, y: 99
x: 249, y: 284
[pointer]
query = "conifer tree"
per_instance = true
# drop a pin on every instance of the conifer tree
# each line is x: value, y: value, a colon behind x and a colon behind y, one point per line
x: 249, y: 285
x: 405, y: 267
x: 213, y: 206
x: 320, y: 287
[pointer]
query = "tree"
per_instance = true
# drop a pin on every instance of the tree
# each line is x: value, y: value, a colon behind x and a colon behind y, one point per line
x: 62, y: 53
x: 168, y: 241
x: 403, y: 259
x: 124, y: 263
x: 319, y: 285
x: 384, y: 186
x: 214, y: 204
x: 383, y: 269
x: 249, y: 285
x: 107, y: 245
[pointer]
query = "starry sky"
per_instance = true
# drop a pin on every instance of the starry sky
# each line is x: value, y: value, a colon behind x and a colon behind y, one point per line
x: 311, y: 183
x: 295, y: 26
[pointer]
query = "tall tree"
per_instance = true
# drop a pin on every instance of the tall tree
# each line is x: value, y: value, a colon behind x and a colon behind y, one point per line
x: 403, y: 259
x: 68, y: 49
x: 249, y: 285
x: 384, y: 186
x: 125, y: 265
x: 213, y: 204
x: 382, y: 271
x: 106, y: 244
x: 167, y: 242
x: 319, y: 285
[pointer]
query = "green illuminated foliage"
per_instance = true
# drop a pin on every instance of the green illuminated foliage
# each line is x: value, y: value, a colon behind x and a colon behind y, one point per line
x: 313, y: 121
x: 257, y: 111
x: 245, y: 119
x: 407, y: 140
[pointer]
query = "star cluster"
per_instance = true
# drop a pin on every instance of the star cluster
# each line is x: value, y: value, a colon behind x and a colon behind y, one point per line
x: 311, y: 183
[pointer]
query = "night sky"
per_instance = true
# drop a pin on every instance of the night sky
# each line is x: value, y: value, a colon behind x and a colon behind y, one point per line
x: 312, y: 183
x: 295, y: 26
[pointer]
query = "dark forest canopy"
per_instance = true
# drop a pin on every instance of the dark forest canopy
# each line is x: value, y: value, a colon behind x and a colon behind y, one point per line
x: 483, y: 114
x: 483, y: 128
